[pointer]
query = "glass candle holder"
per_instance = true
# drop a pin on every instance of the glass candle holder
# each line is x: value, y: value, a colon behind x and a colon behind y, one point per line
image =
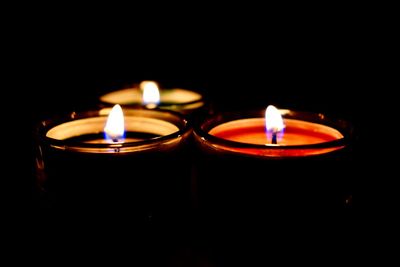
x: 179, y: 100
x: 144, y: 175
x: 244, y: 133
x: 307, y: 173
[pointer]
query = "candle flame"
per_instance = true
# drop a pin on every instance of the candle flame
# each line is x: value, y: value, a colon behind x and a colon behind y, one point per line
x: 151, y: 94
x: 273, y: 124
x: 115, y: 126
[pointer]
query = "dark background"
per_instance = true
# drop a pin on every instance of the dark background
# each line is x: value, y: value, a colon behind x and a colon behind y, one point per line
x: 319, y: 64
x: 309, y: 67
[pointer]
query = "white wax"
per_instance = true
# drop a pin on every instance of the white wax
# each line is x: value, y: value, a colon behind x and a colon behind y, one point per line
x: 96, y: 125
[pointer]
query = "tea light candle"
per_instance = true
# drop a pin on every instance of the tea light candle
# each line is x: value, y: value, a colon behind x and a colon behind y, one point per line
x: 295, y: 135
x: 114, y: 160
x: 110, y: 129
x: 273, y: 164
x: 149, y: 95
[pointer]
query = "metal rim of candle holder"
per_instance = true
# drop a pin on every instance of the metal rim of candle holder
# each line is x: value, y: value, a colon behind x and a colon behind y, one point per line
x: 183, y: 125
x: 344, y: 127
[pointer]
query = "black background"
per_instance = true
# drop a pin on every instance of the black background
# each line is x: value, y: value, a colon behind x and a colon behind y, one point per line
x: 320, y: 69
x: 319, y: 64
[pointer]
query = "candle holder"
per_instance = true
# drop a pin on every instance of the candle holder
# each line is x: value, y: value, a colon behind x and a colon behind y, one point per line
x: 254, y: 183
x: 337, y: 145
x: 144, y: 177
x: 180, y: 100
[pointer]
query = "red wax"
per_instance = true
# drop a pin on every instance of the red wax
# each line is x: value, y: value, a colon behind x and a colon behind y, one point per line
x: 296, y: 133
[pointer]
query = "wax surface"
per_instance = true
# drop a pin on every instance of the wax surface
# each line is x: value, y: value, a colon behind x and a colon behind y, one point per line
x: 96, y: 125
x: 99, y: 138
x: 297, y: 132
x: 90, y: 131
x: 131, y: 96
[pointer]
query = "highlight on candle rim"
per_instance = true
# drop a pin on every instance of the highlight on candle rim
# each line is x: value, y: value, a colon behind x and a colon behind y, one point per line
x: 151, y: 94
x: 274, y: 124
x: 114, y: 129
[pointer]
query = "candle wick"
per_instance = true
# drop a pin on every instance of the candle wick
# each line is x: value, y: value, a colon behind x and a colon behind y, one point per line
x: 115, y: 140
x: 274, y: 137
